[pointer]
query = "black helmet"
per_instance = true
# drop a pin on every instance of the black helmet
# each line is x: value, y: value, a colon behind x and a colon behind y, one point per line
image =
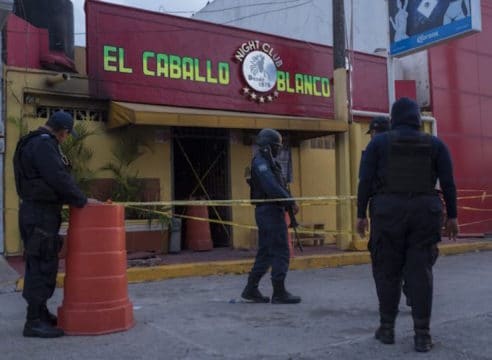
x: 269, y: 137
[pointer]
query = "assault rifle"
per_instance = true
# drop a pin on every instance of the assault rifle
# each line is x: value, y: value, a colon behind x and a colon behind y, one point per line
x: 294, y: 224
x: 290, y: 208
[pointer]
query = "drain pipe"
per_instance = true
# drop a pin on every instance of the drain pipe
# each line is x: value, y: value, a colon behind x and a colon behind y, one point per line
x: 425, y: 118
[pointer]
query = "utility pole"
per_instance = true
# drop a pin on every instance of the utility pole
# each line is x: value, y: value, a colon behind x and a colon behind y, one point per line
x: 338, y: 14
x: 345, y: 221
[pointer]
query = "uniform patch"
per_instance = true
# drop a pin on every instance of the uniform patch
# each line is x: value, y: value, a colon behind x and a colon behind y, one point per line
x: 262, y: 167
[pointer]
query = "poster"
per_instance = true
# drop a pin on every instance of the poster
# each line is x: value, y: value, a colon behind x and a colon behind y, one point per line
x: 417, y: 24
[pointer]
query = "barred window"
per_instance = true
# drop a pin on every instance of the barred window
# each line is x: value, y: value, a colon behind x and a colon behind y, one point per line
x: 44, y: 112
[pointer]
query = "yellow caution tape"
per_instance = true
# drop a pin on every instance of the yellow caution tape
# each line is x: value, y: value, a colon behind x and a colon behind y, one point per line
x: 300, y: 229
x: 302, y: 201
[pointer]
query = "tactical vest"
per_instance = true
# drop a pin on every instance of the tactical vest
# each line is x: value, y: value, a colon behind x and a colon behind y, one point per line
x: 255, y: 190
x: 410, y: 164
x: 19, y: 171
x: 29, y: 185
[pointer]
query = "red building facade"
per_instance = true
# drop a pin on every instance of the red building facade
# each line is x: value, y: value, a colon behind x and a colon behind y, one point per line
x: 461, y: 92
x: 146, y: 57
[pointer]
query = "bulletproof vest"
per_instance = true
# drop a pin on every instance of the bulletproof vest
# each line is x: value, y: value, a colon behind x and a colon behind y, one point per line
x: 29, y: 184
x: 410, y: 164
x: 19, y: 170
x: 255, y: 190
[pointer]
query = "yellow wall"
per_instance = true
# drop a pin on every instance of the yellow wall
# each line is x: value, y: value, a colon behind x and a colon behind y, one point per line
x: 318, y: 178
x: 314, y: 170
x: 70, y: 94
x: 21, y: 113
x: 313, y: 174
x: 155, y: 163
x: 315, y: 165
x: 240, y: 158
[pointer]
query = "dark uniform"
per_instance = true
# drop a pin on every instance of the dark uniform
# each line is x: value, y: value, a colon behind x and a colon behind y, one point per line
x: 267, y: 182
x: 405, y: 215
x: 44, y: 184
x: 379, y: 125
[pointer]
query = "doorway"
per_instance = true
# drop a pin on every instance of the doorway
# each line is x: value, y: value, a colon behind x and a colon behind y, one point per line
x: 201, y: 171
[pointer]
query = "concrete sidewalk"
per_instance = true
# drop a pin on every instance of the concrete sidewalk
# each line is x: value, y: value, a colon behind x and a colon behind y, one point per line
x: 8, y: 276
x: 203, y: 318
x: 318, y: 261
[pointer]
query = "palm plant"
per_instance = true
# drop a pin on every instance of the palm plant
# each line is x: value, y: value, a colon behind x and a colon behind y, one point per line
x: 79, y: 156
x: 127, y: 184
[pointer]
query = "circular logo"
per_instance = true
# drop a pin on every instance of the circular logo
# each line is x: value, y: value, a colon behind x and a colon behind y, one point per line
x: 259, y: 71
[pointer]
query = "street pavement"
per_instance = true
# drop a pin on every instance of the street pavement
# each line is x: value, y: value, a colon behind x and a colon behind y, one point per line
x: 203, y: 318
x: 8, y: 276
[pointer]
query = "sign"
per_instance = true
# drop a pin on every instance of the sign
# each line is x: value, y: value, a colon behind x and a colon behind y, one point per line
x: 146, y: 57
x: 260, y: 70
x: 419, y: 24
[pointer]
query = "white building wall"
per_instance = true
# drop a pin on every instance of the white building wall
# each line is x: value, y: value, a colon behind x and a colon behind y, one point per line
x: 311, y: 20
x: 416, y: 67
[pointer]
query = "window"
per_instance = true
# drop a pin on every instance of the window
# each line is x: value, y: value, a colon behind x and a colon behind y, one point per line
x: 44, y: 112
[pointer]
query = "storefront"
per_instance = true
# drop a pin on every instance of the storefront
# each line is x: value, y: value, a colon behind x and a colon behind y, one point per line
x: 196, y: 93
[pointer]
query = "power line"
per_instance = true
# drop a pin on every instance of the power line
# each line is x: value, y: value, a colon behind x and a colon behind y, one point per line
x: 236, y: 19
x: 233, y: 7
x: 268, y: 12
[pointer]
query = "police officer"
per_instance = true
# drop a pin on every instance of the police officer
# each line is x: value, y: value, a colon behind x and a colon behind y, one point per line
x: 405, y: 216
x: 379, y: 124
x: 267, y: 182
x: 43, y: 184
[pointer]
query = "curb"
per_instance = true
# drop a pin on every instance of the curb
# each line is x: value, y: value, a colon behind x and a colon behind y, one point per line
x: 164, y: 272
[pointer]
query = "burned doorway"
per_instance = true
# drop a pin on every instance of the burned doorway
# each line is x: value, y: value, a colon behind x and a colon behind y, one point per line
x: 201, y: 171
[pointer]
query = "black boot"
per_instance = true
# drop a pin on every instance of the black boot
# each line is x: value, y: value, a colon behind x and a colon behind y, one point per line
x: 386, y: 331
x: 251, y: 291
x: 38, y: 328
x: 422, y: 338
x: 282, y: 296
x: 386, y: 334
x: 47, y: 316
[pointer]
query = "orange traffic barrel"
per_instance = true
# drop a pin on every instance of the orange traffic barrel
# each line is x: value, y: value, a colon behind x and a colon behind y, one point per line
x: 198, y: 237
x: 96, y: 287
x: 289, y: 236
